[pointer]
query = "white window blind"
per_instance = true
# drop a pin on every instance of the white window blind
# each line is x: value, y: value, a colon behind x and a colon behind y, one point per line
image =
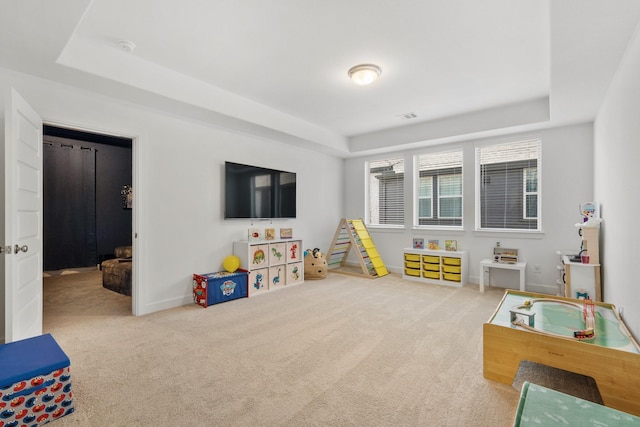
x: 386, y: 192
x: 509, y: 181
x: 439, y: 185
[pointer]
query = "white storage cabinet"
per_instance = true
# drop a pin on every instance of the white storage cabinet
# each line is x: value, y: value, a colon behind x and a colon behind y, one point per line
x: 450, y: 268
x: 272, y: 264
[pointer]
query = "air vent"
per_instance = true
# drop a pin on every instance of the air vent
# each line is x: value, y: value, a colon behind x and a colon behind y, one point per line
x: 407, y: 116
x: 126, y: 45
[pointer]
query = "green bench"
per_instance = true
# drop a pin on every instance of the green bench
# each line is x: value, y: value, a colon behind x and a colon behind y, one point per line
x: 540, y: 406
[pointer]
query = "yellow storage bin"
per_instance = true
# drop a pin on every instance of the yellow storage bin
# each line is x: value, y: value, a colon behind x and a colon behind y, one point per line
x: 450, y: 261
x: 412, y: 264
x: 431, y: 267
x: 431, y: 274
x: 412, y: 257
x: 451, y: 269
x: 431, y: 259
x: 412, y: 272
x: 451, y: 277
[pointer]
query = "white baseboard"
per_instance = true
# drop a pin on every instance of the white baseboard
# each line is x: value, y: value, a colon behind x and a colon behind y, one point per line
x: 166, y: 304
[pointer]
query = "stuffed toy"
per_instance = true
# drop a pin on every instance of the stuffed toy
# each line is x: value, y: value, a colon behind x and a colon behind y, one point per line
x: 315, y: 265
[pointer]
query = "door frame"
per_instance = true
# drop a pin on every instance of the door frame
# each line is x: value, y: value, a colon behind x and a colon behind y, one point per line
x: 136, y: 304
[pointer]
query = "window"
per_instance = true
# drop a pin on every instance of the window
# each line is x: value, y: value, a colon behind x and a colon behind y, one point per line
x: 509, y: 186
x: 439, y: 188
x: 386, y: 192
x: 530, y: 201
x: 425, y: 197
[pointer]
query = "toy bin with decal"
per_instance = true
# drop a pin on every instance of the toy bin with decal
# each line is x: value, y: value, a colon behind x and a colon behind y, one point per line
x: 214, y: 288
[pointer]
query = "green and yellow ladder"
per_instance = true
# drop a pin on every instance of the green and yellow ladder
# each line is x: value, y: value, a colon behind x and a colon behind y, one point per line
x: 353, y: 233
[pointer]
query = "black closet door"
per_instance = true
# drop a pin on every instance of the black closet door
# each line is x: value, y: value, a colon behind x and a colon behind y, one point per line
x: 69, y: 207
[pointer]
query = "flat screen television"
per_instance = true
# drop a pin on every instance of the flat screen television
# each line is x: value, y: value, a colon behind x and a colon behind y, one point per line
x: 256, y: 192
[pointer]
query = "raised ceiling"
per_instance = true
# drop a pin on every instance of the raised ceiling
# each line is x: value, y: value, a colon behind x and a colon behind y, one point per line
x: 457, y: 68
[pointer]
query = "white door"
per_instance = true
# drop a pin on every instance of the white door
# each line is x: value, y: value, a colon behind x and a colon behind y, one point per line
x: 22, y: 234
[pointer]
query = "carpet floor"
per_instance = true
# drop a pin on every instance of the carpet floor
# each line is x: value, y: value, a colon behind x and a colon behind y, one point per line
x: 343, y: 351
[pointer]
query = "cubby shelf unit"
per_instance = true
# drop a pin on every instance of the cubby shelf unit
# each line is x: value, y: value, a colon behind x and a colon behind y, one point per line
x: 449, y: 268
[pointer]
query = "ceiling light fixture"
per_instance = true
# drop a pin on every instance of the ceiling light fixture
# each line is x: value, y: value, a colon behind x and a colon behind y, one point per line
x: 364, y: 74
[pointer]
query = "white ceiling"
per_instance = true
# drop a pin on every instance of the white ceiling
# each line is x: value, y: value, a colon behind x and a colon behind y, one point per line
x: 278, y: 69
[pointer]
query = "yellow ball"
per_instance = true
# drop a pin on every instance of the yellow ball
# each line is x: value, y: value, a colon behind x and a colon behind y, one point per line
x: 231, y: 263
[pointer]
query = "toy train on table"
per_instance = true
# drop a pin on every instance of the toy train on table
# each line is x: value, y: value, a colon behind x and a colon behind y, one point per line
x: 521, y: 315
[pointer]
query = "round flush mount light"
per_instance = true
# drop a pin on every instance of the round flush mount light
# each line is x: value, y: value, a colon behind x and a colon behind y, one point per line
x: 126, y: 45
x: 364, y: 74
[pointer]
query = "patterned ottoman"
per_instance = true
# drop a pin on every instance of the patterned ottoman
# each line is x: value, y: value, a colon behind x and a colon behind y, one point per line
x: 35, y: 382
x: 116, y: 275
x: 123, y: 252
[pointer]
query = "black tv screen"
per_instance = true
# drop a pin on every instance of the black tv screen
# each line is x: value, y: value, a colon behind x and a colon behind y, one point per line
x: 256, y: 192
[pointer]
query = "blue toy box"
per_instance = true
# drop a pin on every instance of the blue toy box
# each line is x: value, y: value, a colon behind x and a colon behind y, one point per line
x: 35, y: 382
x: 214, y: 288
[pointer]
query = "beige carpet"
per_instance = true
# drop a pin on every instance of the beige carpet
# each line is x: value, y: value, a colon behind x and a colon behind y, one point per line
x: 344, y: 351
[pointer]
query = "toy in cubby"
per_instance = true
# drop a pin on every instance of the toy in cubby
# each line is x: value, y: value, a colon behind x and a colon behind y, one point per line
x: 315, y: 264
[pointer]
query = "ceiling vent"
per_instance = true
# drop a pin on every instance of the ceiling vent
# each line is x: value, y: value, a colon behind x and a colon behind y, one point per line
x: 126, y: 45
x: 407, y: 116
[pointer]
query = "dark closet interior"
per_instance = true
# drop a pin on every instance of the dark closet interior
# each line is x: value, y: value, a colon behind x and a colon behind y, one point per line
x: 85, y: 212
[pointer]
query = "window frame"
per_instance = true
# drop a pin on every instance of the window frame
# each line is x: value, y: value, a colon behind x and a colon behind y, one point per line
x: 526, y: 193
x: 481, y: 180
x: 443, y: 163
x: 399, y: 178
x: 460, y: 196
x: 419, y: 198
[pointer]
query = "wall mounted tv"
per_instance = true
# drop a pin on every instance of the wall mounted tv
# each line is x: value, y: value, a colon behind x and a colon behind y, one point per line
x: 256, y: 192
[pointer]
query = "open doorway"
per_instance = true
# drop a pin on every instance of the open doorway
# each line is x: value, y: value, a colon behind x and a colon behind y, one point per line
x: 87, y: 212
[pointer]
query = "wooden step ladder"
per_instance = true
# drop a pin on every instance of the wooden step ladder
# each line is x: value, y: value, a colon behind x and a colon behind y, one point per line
x: 352, y: 233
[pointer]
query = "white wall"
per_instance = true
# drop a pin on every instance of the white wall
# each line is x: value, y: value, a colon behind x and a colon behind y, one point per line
x: 616, y: 177
x: 567, y: 158
x: 178, y: 185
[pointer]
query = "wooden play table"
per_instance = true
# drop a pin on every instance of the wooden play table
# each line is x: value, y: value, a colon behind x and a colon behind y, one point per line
x: 612, y: 359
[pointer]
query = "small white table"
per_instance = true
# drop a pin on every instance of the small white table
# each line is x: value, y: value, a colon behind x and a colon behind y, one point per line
x: 487, y: 264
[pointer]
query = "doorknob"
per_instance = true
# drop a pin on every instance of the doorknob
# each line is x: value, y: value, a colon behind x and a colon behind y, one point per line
x: 23, y: 248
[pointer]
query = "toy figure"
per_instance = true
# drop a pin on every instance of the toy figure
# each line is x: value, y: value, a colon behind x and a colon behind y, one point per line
x: 276, y: 279
x: 258, y: 256
x: 276, y: 253
x: 258, y: 282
